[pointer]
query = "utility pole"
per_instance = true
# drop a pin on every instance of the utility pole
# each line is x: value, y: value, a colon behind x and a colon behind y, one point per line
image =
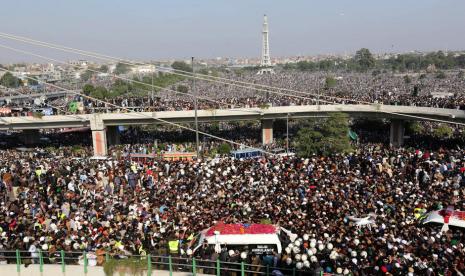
x: 318, y: 91
x: 287, y: 134
x: 195, y: 112
x: 152, y: 82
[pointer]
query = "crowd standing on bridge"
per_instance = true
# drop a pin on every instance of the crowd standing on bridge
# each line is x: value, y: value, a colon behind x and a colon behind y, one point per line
x: 52, y: 201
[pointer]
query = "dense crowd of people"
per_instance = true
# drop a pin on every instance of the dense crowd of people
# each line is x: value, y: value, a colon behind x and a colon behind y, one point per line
x: 350, y: 88
x: 300, y: 88
x: 386, y: 88
x: 53, y: 201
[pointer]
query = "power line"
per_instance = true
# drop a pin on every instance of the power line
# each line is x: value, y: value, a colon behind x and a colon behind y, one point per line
x: 116, y: 76
x: 423, y: 118
x: 184, y: 73
x: 151, y: 117
x: 146, y: 84
x: 52, y: 106
x: 187, y: 74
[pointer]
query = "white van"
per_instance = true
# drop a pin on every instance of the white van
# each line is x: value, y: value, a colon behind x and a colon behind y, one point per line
x: 258, y: 238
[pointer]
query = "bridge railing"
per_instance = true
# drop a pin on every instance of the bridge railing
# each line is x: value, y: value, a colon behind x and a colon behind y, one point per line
x: 140, y: 264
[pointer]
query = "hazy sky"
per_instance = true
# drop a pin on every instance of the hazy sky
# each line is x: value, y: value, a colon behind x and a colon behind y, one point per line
x: 155, y: 29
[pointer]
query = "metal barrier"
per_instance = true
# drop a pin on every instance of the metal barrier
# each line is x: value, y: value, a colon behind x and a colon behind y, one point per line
x: 144, y: 263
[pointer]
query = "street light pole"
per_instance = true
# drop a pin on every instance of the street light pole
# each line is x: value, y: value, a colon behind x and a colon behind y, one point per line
x: 152, y: 83
x: 318, y: 92
x: 195, y: 112
x: 287, y: 134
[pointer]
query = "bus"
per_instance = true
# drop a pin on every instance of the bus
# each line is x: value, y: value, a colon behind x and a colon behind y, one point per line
x: 246, y: 153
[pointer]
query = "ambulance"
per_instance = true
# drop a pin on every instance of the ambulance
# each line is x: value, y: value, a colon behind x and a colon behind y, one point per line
x: 445, y: 217
x: 256, y: 238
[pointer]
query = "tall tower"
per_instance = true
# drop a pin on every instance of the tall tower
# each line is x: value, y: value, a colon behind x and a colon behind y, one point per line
x: 265, y: 62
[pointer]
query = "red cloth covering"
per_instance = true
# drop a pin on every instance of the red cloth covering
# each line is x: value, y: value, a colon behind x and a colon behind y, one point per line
x: 238, y: 229
x: 459, y: 214
x: 448, y: 213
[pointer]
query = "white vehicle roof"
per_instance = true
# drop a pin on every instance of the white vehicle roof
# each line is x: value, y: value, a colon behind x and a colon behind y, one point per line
x: 456, y: 218
x: 244, y: 239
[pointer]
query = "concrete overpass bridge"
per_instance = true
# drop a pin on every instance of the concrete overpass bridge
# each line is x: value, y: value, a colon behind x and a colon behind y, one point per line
x: 104, y: 131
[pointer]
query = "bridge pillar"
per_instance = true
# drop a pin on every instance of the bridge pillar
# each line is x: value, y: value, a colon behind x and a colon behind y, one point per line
x: 397, y: 133
x: 30, y: 137
x: 99, y: 136
x: 113, y: 136
x: 267, y: 131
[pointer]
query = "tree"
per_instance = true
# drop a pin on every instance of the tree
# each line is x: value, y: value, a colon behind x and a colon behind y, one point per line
x: 290, y: 66
x: 407, y: 79
x: 88, y: 89
x: 441, y: 75
x: 182, y: 89
x: 182, y: 66
x: 122, y: 68
x: 120, y: 87
x: 306, y: 66
x: 99, y: 92
x: 326, y: 65
x: 416, y: 90
x: 103, y: 68
x: 364, y: 59
x: 32, y: 81
x: 325, y: 137
x: 376, y: 73
x: 443, y: 131
x: 10, y: 81
x: 224, y: 148
x: 86, y: 75
x: 414, y: 128
x: 214, y: 127
x: 330, y: 82
x: 461, y: 75
x: 460, y: 61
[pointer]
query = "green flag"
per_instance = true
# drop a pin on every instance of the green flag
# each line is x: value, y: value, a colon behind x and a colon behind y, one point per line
x: 73, y: 107
x: 353, y: 135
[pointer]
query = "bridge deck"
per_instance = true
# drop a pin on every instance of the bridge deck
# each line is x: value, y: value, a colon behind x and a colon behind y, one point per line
x: 279, y: 112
